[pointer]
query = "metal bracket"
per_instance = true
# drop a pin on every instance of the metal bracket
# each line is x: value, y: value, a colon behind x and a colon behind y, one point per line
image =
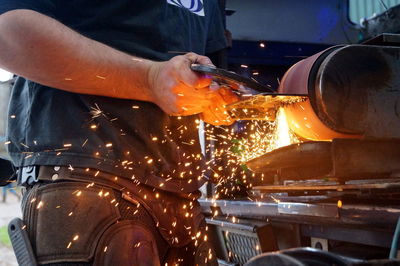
x: 28, y: 175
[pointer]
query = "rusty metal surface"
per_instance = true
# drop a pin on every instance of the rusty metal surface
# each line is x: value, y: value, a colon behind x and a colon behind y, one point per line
x: 357, y: 159
x: 300, y: 155
x: 343, y: 159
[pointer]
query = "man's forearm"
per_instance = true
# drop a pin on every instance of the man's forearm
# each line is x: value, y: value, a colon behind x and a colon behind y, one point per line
x: 43, y: 50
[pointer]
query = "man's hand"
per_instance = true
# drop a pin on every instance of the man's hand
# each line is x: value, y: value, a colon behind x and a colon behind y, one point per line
x: 178, y: 90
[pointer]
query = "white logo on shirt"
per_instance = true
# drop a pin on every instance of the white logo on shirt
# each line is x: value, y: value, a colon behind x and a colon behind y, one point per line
x: 194, y: 6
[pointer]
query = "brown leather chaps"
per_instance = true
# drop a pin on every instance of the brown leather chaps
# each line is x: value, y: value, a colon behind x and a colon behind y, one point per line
x: 82, y: 223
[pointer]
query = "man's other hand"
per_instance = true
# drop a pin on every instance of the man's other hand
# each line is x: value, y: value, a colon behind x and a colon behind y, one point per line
x: 216, y: 113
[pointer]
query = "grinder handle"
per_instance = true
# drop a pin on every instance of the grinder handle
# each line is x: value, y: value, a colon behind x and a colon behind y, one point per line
x: 231, y: 79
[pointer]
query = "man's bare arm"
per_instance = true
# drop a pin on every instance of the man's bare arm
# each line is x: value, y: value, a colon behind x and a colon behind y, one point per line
x: 42, y: 49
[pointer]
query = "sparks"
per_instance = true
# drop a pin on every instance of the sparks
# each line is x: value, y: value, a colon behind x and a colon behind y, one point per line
x: 40, y: 204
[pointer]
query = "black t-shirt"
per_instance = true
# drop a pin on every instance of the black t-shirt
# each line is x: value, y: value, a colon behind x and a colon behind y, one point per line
x: 128, y: 138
